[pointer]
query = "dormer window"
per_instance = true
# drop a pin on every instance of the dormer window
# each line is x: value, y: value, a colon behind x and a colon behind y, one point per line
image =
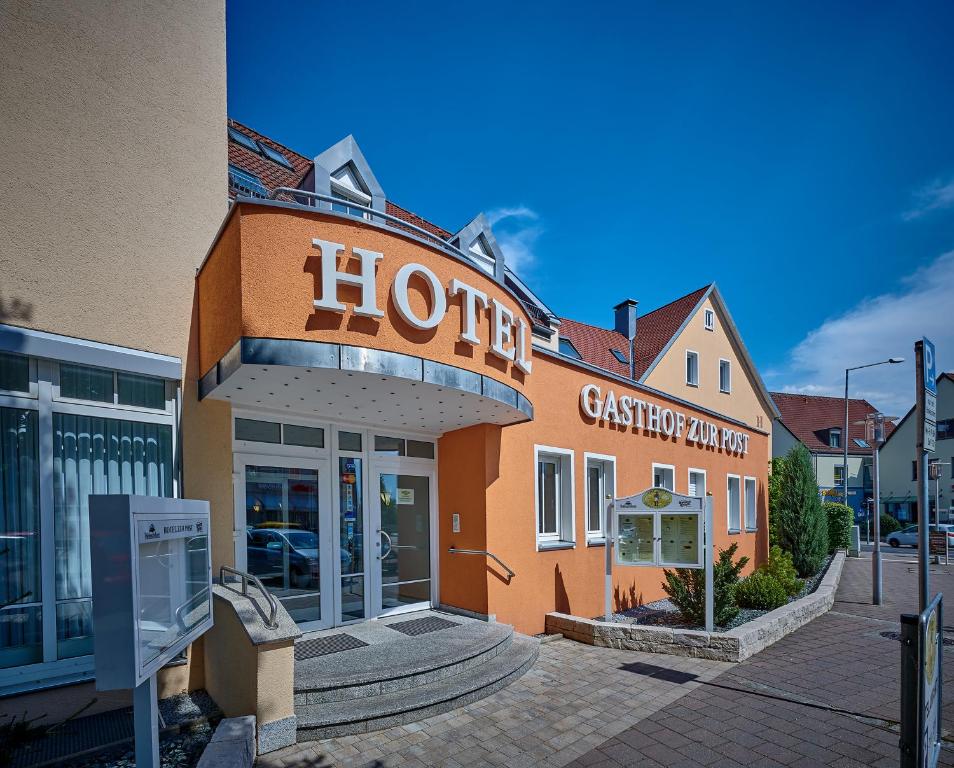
x: 834, y: 438
x: 709, y: 316
x: 484, y: 255
x: 346, y: 186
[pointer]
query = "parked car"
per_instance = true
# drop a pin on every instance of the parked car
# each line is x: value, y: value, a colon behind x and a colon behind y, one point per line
x: 268, y: 548
x: 908, y: 537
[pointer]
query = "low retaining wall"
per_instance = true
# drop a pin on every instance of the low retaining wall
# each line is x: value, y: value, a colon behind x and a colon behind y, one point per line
x: 735, y: 645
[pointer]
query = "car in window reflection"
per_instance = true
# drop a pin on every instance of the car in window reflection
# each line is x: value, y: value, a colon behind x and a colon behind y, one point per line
x: 273, y: 553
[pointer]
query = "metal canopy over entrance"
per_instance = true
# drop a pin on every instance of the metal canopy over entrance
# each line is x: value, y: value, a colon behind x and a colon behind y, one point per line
x: 361, y: 385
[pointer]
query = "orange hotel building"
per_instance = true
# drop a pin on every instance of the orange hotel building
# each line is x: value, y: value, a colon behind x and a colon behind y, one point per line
x: 383, y: 416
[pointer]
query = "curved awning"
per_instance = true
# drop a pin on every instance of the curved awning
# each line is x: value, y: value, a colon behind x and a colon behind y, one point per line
x: 357, y: 384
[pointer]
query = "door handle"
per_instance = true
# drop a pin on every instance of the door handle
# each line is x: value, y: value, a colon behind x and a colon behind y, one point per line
x: 384, y: 533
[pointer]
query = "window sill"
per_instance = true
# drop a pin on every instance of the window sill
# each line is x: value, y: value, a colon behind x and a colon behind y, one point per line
x: 692, y: 384
x: 596, y: 541
x: 735, y: 532
x: 543, y: 546
x: 751, y: 530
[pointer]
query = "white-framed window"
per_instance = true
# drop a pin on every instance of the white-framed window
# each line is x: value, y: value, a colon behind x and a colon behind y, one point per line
x: 78, y: 429
x: 105, y: 387
x: 554, y: 496
x: 751, y: 504
x: 725, y: 375
x: 839, y: 472
x: 697, y: 482
x: 600, y: 491
x: 709, y: 316
x: 17, y: 375
x: 664, y: 476
x: 692, y: 368
x: 834, y: 437
x: 734, y: 503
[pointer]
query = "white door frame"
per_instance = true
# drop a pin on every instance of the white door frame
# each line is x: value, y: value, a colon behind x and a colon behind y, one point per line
x: 407, y: 466
x: 327, y: 542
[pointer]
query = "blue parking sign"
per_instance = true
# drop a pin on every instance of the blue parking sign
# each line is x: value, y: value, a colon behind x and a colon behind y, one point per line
x: 930, y: 367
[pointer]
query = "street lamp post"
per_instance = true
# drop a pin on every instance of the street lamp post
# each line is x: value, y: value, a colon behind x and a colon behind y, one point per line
x: 844, y: 435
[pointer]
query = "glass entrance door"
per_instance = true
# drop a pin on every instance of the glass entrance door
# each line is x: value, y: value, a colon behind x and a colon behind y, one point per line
x: 401, y: 527
x: 284, y: 535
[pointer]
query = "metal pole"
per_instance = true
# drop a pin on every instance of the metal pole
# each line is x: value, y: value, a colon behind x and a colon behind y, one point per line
x: 608, y: 579
x: 844, y: 441
x: 876, y: 598
x: 146, y: 724
x: 708, y: 555
x: 924, y: 517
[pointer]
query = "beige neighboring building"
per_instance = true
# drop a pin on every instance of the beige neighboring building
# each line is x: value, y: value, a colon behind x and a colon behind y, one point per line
x: 689, y: 348
x: 114, y: 164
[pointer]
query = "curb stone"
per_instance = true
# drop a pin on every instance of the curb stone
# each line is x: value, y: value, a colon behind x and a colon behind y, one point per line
x: 737, y: 644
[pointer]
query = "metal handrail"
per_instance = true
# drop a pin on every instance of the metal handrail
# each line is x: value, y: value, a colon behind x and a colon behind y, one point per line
x: 491, y: 555
x: 246, y: 578
x: 317, y: 197
x: 187, y: 603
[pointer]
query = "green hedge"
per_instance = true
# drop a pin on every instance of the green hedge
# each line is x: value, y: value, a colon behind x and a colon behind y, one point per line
x: 761, y: 591
x: 840, y: 519
x: 889, y: 524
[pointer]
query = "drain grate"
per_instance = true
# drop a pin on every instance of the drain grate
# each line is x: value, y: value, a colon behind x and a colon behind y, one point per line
x: 889, y: 635
x: 322, y: 646
x: 416, y: 627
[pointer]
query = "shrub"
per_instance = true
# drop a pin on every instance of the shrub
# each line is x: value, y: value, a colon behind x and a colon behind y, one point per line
x: 774, y: 494
x: 780, y: 568
x: 686, y: 588
x: 840, y: 519
x: 761, y: 591
x: 802, y: 529
x: 888, y: 524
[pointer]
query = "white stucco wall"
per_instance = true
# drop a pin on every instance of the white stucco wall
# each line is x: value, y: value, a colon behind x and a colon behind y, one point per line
x: 899, y: 452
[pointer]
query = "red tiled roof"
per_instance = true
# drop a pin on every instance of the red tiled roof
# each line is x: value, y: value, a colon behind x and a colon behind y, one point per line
x: 809, y: 417
x: 417, y: 221
x: 272, y: 174
x: 653, y: 332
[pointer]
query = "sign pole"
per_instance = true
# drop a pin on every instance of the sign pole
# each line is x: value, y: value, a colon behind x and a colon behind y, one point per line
x: 608, y: 579
x: 146, y: 723
x: 876, y: 503
x: 926, y: 409
x: 708, y: 554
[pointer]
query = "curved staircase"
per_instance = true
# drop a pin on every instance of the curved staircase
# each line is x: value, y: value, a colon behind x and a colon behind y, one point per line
x: 396, y: 678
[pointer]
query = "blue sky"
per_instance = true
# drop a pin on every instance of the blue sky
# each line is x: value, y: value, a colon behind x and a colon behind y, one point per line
x: 801, y: 155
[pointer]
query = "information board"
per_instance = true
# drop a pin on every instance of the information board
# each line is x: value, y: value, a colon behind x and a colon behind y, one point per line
x: 659, y: 528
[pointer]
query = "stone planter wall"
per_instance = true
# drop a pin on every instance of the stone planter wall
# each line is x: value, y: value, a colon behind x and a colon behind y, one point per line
x: 735, y: 645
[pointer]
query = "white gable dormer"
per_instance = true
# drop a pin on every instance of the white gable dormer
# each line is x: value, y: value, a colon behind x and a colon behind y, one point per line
x: 342, y: 172
x: 478, y: 242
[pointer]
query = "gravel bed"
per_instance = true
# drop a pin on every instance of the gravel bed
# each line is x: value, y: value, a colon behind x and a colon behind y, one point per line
x: 178, y: 750
x: 663, y: 613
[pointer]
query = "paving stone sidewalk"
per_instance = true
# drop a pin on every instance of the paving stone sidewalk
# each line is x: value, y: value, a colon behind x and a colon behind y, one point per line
x: 585, y: 706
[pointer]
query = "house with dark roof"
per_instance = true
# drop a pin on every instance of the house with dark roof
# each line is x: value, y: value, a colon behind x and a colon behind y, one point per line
x: 817, y: 422
x: 899, y: 469
x: 689, y: 347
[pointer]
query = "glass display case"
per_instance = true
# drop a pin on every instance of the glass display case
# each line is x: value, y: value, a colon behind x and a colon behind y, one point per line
x: 152, y: 583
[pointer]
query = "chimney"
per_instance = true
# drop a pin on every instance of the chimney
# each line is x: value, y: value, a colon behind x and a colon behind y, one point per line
x: 625, y: 323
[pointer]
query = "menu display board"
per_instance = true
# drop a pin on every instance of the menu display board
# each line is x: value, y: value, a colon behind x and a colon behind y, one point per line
x: 679, y: 536
x: 659, y: 528
x: 636, y: 539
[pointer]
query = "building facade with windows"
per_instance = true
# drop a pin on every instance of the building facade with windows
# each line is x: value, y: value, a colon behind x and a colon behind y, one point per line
x: 818, y: 423
x: 374, y: 405
x: 899, y: 468
x: 113, y: 154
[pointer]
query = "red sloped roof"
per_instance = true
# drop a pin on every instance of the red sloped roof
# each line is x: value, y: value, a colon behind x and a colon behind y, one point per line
x: 272, y: 174
x: 594, y: 344
x: 653, y: 332
x: 809, y: 417
x: 417, y: 221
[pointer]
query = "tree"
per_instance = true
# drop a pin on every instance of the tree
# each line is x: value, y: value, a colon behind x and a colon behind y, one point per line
x: 775, y: 493
x: 802, y: 527
x: 840, y: 518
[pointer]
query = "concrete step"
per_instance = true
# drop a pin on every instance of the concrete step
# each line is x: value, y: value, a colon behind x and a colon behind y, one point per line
x: 345, y: 717
x: 400, y: 664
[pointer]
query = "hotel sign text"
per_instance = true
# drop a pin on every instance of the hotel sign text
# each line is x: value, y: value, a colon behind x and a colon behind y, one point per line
x: 628, y: 411
x: 509, y: 333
